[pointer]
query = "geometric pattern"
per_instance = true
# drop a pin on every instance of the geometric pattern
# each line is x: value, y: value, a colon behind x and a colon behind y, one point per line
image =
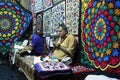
x: 14, y: 20
x: 72, y: 16
x: 47, y: 22
x: 101, y: 33
x: 47, y: 4
x: 58, y: 16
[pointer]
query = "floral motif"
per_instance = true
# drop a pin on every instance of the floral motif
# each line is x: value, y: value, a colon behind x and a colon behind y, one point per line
x: 101, y: 33
x: 14, y: 20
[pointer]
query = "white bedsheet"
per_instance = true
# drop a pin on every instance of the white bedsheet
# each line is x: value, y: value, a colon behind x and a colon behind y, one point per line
x: 99, y: 77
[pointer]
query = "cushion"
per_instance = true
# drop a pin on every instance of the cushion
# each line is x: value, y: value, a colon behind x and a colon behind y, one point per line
x: 49, y: 69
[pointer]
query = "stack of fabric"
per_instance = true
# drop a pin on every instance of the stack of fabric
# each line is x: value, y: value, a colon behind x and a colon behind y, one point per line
x: 52, y: 69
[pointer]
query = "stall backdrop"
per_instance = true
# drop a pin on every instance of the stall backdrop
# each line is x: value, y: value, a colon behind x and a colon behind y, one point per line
x: 14, y: 20
x: 95, y: 22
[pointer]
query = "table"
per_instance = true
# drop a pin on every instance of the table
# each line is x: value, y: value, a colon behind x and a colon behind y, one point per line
x: 25, y: 64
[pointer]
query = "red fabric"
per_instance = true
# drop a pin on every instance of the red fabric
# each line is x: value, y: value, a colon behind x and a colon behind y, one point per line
x: 114, y: 71
x: 78, y: 69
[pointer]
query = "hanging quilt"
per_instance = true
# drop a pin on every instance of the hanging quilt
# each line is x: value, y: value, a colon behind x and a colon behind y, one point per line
x: 14, y: 20
x: 47, y: 22
x: 56, y: 1
x: 58, y: 16
x: 84, y: 60
x: 38, y: 6
x: 47, y: 4
x: 72, y: 16
x: 101, y: 34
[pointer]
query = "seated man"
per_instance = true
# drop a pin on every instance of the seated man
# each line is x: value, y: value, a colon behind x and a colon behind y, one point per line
x: 66, y: 46
x: 36, y: 46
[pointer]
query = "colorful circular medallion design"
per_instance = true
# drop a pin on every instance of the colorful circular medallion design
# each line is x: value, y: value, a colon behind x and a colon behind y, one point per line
x: 14, y: 20
x: 101, y: 33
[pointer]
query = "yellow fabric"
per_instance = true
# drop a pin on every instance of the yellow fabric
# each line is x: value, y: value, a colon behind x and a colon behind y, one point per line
x: 70, y: 43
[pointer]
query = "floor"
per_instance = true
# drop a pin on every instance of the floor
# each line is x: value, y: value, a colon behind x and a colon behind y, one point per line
x: 6, y: 73
x: 9, y: 73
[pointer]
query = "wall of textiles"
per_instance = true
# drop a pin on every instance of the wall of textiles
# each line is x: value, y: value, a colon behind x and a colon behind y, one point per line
x: 62, y: 11
x: 58, y: 16
x: 52, y: 17
x: 72, y: 16
x: 14, y: 20
x: 101, y: 34
x: 38, y: 5
x: 47, y: 4
x: 54, y: 12
x: 47, y: 22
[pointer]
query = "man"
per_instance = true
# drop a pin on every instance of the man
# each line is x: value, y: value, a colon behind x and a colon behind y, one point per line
x: 37, y: 43
x: 36, y: 46
x: 66, y: 45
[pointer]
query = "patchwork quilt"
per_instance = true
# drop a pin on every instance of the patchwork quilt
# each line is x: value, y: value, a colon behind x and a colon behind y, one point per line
x: 48, y: 69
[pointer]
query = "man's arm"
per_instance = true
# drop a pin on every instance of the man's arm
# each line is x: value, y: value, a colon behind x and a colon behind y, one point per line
x: 58, y: 46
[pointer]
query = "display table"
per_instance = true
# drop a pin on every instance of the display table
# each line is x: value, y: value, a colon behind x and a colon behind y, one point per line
x: 25, y: 64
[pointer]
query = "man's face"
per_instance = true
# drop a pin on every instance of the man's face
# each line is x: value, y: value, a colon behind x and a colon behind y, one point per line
x: 61, y: 32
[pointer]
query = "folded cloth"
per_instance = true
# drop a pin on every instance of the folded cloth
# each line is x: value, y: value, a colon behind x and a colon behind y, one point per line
x: 67, y: 60
x: 48, y: 69
x: 25, y: 49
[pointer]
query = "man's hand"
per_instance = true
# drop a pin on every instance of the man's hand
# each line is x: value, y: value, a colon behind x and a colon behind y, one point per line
x: 56, y: 45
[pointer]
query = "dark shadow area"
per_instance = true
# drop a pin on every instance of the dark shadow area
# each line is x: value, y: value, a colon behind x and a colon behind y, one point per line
x: 6, y: 73
x: 10, y: 73
x: 18, y: 73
